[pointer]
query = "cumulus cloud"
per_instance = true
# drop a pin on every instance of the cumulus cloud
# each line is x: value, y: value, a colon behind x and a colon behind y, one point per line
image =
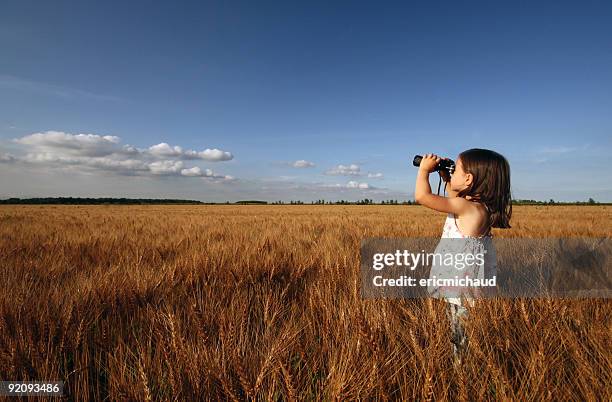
x: 74, y: 144
x: 210, y: 173
x: 104, y: 145
x: 165, y: 150
x: 213, y: 155
x: 192, y: 172
x: 302, y: 164
x: 352, y: 185
x: 104, y: 152
x: 353, y: 170
x: 129, y: 150
x: 206, y: 173
x: 166, y: 167
x: 344, y: 170
x: 6, y: 158
x: 103, y: 163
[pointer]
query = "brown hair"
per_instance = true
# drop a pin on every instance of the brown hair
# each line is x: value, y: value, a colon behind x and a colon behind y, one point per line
x: 490, y: 184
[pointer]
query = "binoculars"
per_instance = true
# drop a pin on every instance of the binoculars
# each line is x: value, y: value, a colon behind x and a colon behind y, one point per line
x: 445, y: 164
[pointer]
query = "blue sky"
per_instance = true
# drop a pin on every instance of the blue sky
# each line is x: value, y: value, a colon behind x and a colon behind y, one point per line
x: 300, y: 100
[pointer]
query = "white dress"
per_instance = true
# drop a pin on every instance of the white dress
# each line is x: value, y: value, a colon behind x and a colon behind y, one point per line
x: 465, y: 244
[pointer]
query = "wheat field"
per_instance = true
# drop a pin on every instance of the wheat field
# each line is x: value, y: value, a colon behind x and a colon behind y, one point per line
x: 262, y: 303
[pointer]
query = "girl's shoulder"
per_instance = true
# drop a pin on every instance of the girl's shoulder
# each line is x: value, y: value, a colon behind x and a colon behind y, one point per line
x: 478, y: 208
x: 477, y: 220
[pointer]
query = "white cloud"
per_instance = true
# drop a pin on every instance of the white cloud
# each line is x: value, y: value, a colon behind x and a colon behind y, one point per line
x: 165, y: 150
x: 104, y: 145
x: 210, y: 173
x: 113, y: 164
x: 302, y: 164
x: 354, y: 184
x: 213, y: 155
x: 192, y: 172
x: 165, y: 167
x: 42, y: 157
x: 7, y: 158
x: 353, y: 170
x: 207, y: 174
x: 345, y: 170
x: 129, y: 150
x: 73, y: 144
x: 101, y: 162
x: 103, y: 152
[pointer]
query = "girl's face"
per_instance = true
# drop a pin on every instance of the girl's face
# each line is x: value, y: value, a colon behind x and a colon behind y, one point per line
x: 460, y: 179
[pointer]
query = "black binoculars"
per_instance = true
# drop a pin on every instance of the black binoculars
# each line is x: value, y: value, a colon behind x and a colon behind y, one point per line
x: 445, y: 164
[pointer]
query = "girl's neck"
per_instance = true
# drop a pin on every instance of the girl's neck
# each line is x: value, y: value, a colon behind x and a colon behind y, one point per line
x: 477, y: 200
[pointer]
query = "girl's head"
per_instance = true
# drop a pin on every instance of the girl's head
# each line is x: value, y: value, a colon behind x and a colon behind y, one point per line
x: 484, y: 176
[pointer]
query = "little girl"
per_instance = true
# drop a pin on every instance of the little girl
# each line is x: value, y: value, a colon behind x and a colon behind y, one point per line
x: 478, y: 199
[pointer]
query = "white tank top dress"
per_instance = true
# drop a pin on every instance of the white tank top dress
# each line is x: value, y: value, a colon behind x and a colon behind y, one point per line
x: 465, y: 244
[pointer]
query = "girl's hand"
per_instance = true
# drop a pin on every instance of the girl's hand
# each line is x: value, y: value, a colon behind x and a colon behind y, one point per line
x: 429, y: 162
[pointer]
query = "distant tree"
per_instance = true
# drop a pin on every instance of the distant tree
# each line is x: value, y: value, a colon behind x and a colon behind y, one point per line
x: 591, y: 201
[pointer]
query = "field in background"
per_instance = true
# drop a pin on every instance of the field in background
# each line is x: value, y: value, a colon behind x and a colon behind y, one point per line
x: 262, y: 302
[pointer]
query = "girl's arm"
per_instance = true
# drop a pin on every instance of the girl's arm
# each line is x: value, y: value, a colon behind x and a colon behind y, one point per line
x: 423, y: 195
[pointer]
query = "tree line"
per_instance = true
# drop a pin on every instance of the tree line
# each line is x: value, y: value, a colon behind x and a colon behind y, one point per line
x: 145, y: 201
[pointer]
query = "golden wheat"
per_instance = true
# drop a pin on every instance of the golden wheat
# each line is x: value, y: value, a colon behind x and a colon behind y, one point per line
x: 263, y: 302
